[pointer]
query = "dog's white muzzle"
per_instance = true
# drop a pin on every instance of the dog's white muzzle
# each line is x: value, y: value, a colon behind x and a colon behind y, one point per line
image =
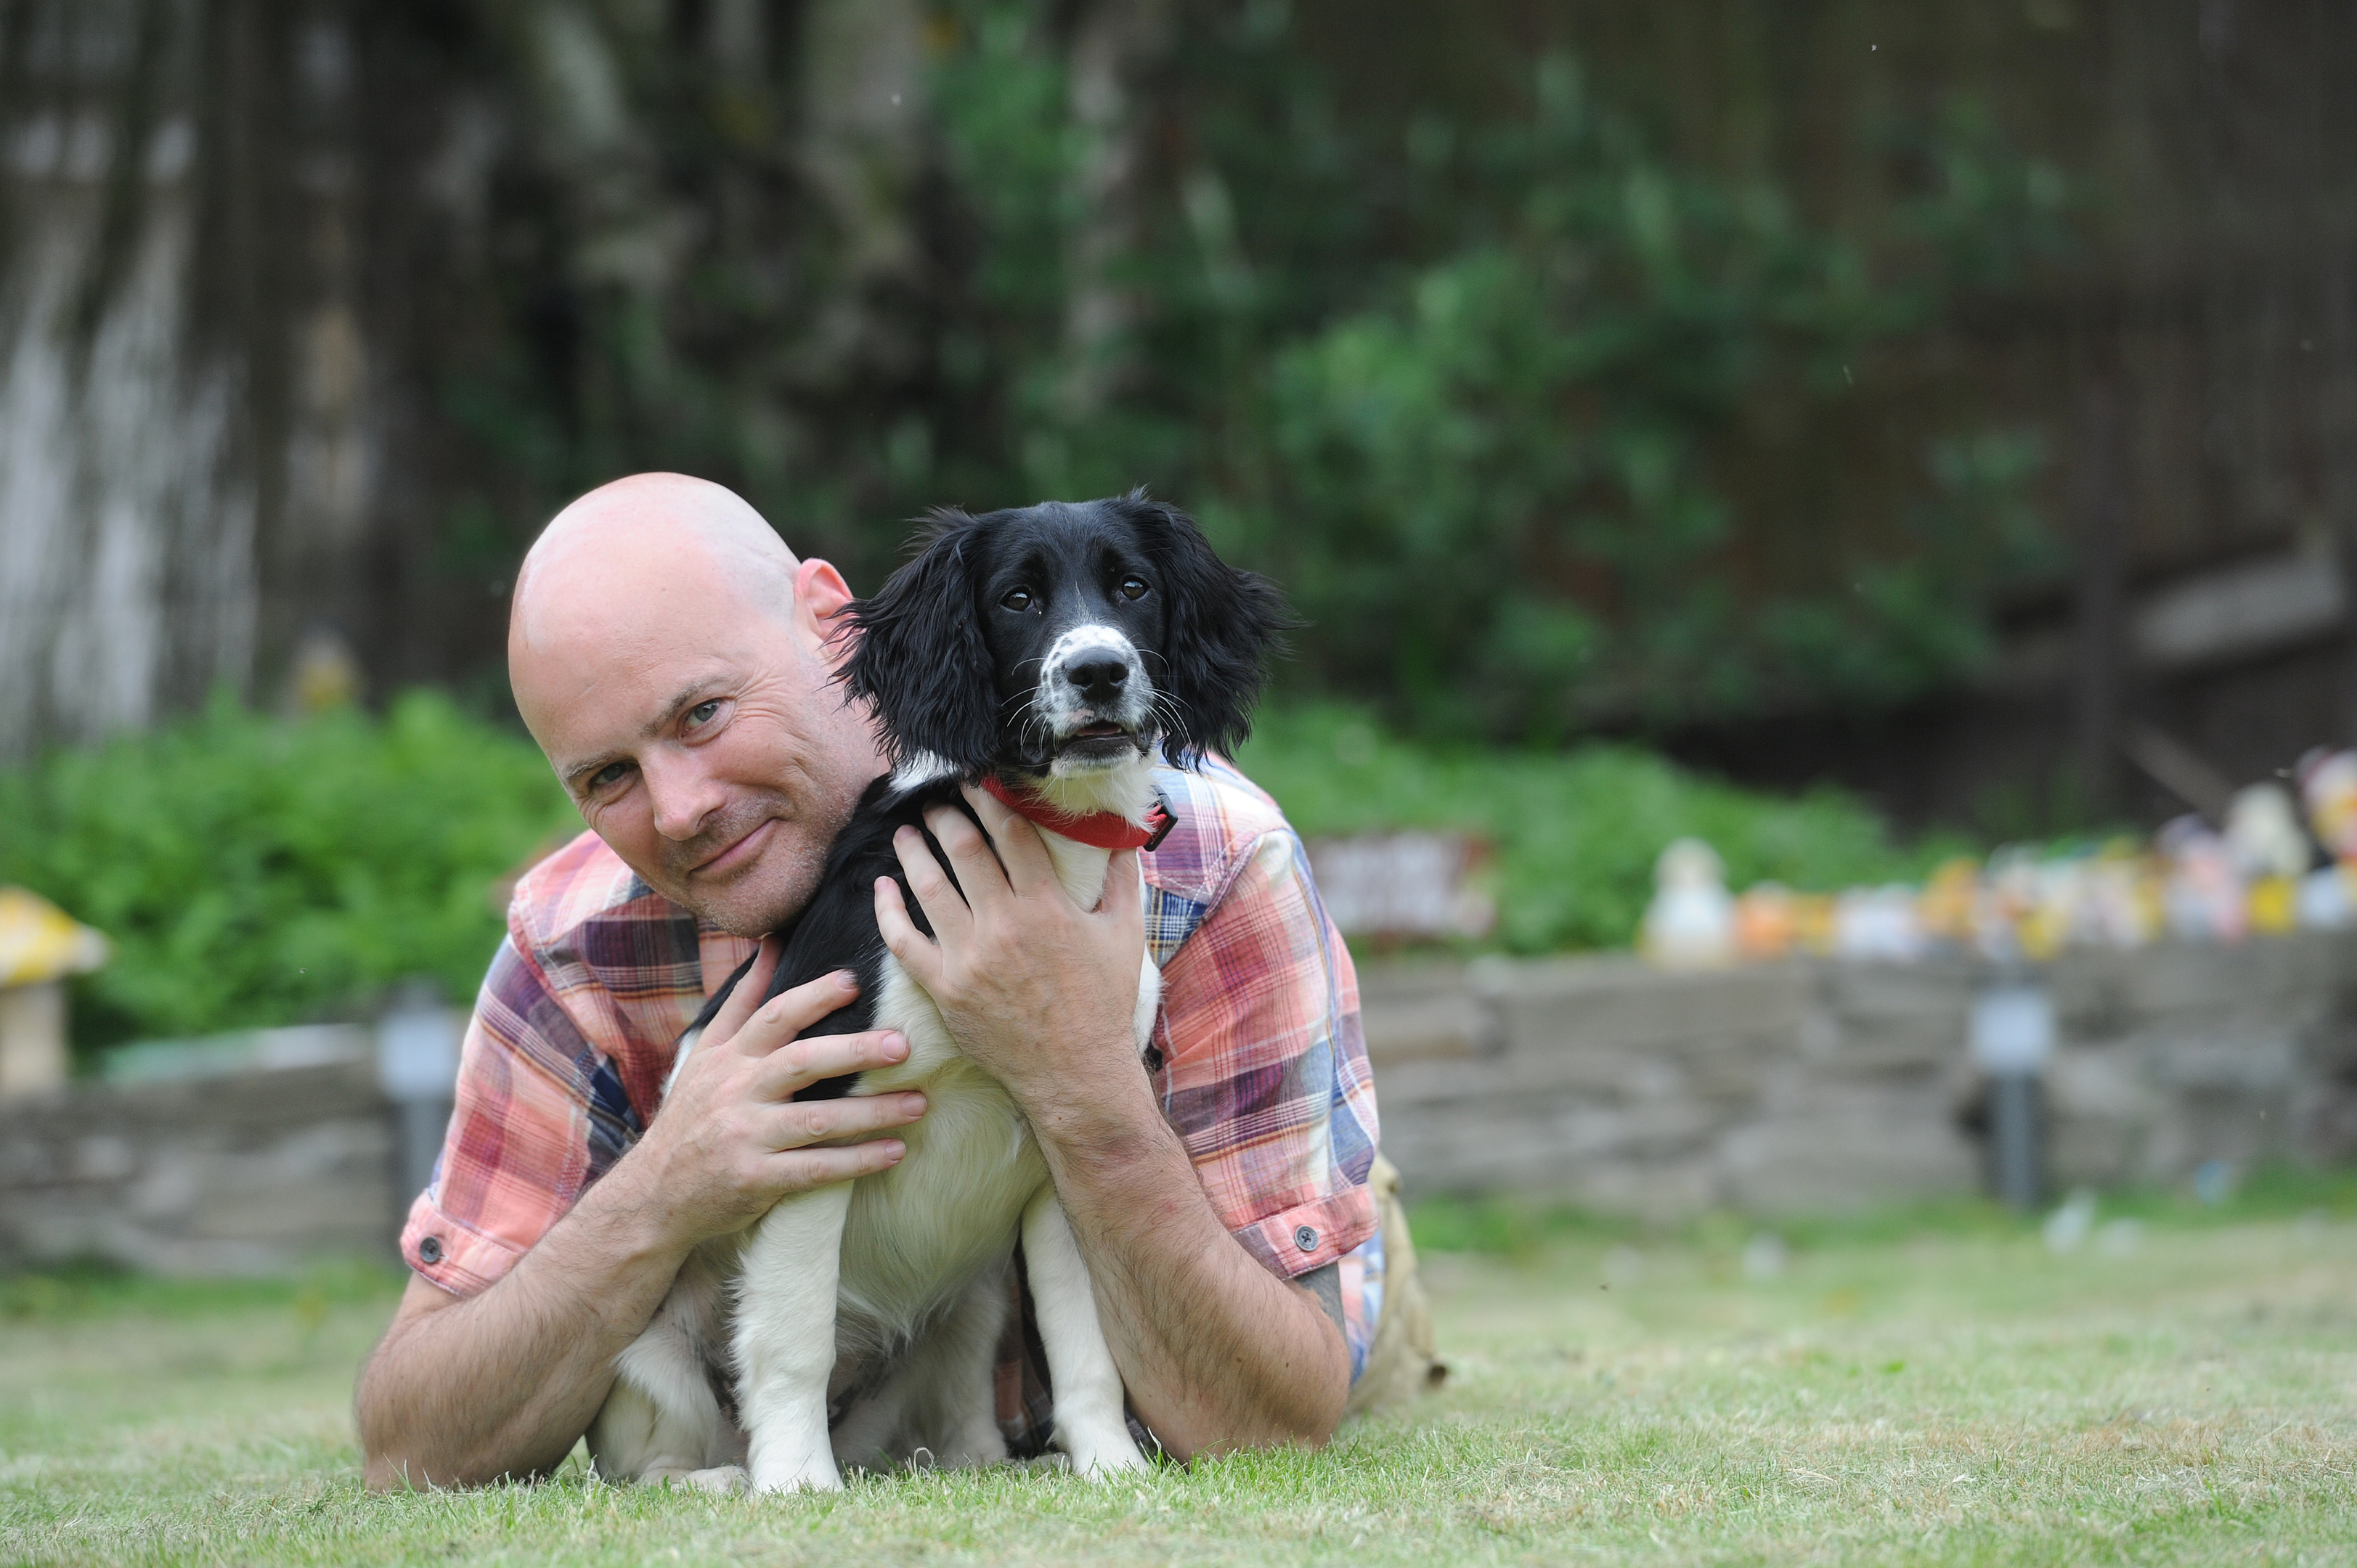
x: 1092, y: 676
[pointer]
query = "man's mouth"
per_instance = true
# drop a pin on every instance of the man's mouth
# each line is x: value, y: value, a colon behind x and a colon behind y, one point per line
x: 737, y: 854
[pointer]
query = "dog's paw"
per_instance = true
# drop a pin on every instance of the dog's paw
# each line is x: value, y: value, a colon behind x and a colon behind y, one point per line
x: 813, y: 1474
x: 727, y: 1480
x: 672, y: 1473
x: 1113, y: 1455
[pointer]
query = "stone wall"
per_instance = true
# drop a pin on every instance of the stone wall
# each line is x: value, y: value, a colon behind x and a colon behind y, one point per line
x: 1811, y: 1085
x: 1778, y: 1088
x: 232, y: 1173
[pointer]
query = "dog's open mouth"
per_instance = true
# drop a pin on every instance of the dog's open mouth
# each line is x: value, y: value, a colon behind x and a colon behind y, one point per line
x: 1101, y: 741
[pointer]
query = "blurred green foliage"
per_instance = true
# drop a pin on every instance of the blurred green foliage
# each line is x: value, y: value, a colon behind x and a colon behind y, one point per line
x: 252, y: 871
x: 1575, y: 834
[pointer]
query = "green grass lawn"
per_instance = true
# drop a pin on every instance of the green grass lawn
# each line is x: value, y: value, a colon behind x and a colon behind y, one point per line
x: 1926, y: 1387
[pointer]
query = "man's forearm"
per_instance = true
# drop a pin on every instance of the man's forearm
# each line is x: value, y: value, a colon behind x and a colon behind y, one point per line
x: 1217, y: 1353
x: 505, y: 1382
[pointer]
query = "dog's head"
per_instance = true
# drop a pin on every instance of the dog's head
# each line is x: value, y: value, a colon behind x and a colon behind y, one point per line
x: 1063, y: 639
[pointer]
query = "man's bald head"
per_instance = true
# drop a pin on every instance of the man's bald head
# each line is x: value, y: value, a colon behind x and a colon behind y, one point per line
x: 673, y: 659
x: 626, y: 534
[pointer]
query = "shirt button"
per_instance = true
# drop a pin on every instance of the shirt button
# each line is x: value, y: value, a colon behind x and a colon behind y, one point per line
x: 1305, y: 1238
x: 430, y: 1250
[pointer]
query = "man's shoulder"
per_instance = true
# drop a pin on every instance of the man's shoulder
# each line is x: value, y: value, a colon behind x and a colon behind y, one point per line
x: 1222, y: 814
x: 582, y: 883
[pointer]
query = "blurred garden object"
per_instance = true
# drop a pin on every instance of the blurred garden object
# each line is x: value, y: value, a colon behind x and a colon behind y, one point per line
x: 327, y: 675
x: 1766, y: 921
x: 2328, y: 787
x: 1691, y: 923
x: 1403, y: 886
x: 1877, y: 923
x: 2207, y: 900
x: 2272, y: 851
x: 2262, y: 829
x: 2012, y: 1040
x: 417, y: 1066
x: 40, y: 946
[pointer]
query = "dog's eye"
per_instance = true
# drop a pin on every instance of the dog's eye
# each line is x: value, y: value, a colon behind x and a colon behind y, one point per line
x: 1133, y: 587
x: 1020, y: 600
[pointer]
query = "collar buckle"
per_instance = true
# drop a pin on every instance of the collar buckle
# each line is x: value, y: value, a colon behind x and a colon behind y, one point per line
x: 1161, y: 829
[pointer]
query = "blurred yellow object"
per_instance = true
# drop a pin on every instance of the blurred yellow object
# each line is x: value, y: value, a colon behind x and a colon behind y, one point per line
x: 1946, y: 911
x: 40, y: 942
x: 2042, y: 931
x: 326, y: 675
x: 2275, y: 904
x: 1813, y: 923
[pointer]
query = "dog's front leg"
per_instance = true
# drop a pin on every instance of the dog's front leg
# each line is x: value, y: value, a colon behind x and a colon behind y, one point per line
x: 785, y: 1339
x: 1091, y: 1423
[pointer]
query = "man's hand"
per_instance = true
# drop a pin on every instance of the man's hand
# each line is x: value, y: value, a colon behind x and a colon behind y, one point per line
x: 1038, y: 991
x: 502, y: 1384
x: 731, y: 1140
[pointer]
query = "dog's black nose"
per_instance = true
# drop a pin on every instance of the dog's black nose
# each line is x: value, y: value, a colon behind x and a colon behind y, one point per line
x: 1098, y: 679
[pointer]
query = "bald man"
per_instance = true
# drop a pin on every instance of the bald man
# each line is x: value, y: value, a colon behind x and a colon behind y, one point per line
x: 675, y: 662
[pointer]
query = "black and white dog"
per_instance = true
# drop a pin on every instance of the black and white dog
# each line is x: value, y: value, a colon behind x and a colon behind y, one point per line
x: 1048, y: 652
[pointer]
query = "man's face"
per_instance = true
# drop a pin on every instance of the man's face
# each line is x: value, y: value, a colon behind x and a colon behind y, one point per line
x: 703, y: 740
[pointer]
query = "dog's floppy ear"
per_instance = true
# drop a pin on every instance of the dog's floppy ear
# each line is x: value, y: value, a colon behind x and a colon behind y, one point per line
x: 1220, y: 628
x: 921, y: 659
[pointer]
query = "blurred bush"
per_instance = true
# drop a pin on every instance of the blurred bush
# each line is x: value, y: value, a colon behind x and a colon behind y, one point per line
x: 1575, y: 832
x: 253, y: 871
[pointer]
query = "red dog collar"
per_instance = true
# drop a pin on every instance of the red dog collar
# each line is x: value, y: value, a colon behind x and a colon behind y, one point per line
x: 1104, y: 830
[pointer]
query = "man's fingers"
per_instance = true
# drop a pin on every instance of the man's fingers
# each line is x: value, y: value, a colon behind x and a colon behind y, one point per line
x: 787, y: 1015
x: 1021, y: 852
x: 797, y: 1066
x: 918, y: 953
x: 798, y: 1170
x: 1124, y: 895
x: 801, y: 1122
x: 941, y: 902
x: 730, y: 1019
x: 980, y: 875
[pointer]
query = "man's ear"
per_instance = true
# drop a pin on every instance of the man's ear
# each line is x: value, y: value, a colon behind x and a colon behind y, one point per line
x: 1220, y: 628
x: 820, y: 595
x: 920, y: 658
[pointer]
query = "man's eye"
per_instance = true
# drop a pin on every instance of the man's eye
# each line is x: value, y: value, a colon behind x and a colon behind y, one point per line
x: 701, y: 713
x: 1020, y: 600
x: 1133, y: 587
x: 610, y: 774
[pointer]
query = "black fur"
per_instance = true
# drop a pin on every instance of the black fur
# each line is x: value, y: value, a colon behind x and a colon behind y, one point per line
x: 945, y: 667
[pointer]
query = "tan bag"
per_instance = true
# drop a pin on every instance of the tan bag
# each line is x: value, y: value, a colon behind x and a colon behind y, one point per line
x: 1402, y: 1364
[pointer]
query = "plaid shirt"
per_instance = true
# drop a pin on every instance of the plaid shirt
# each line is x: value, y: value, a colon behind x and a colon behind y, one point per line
x: 1257, y: 1057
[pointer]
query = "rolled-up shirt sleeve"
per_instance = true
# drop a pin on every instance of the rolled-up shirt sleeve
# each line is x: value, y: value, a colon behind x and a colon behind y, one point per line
x: 517, y: 1153
x: 1265, y: 1070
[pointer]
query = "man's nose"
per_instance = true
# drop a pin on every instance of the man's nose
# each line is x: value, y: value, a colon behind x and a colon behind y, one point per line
x: 1099, y: 678
x: 682, y: 794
